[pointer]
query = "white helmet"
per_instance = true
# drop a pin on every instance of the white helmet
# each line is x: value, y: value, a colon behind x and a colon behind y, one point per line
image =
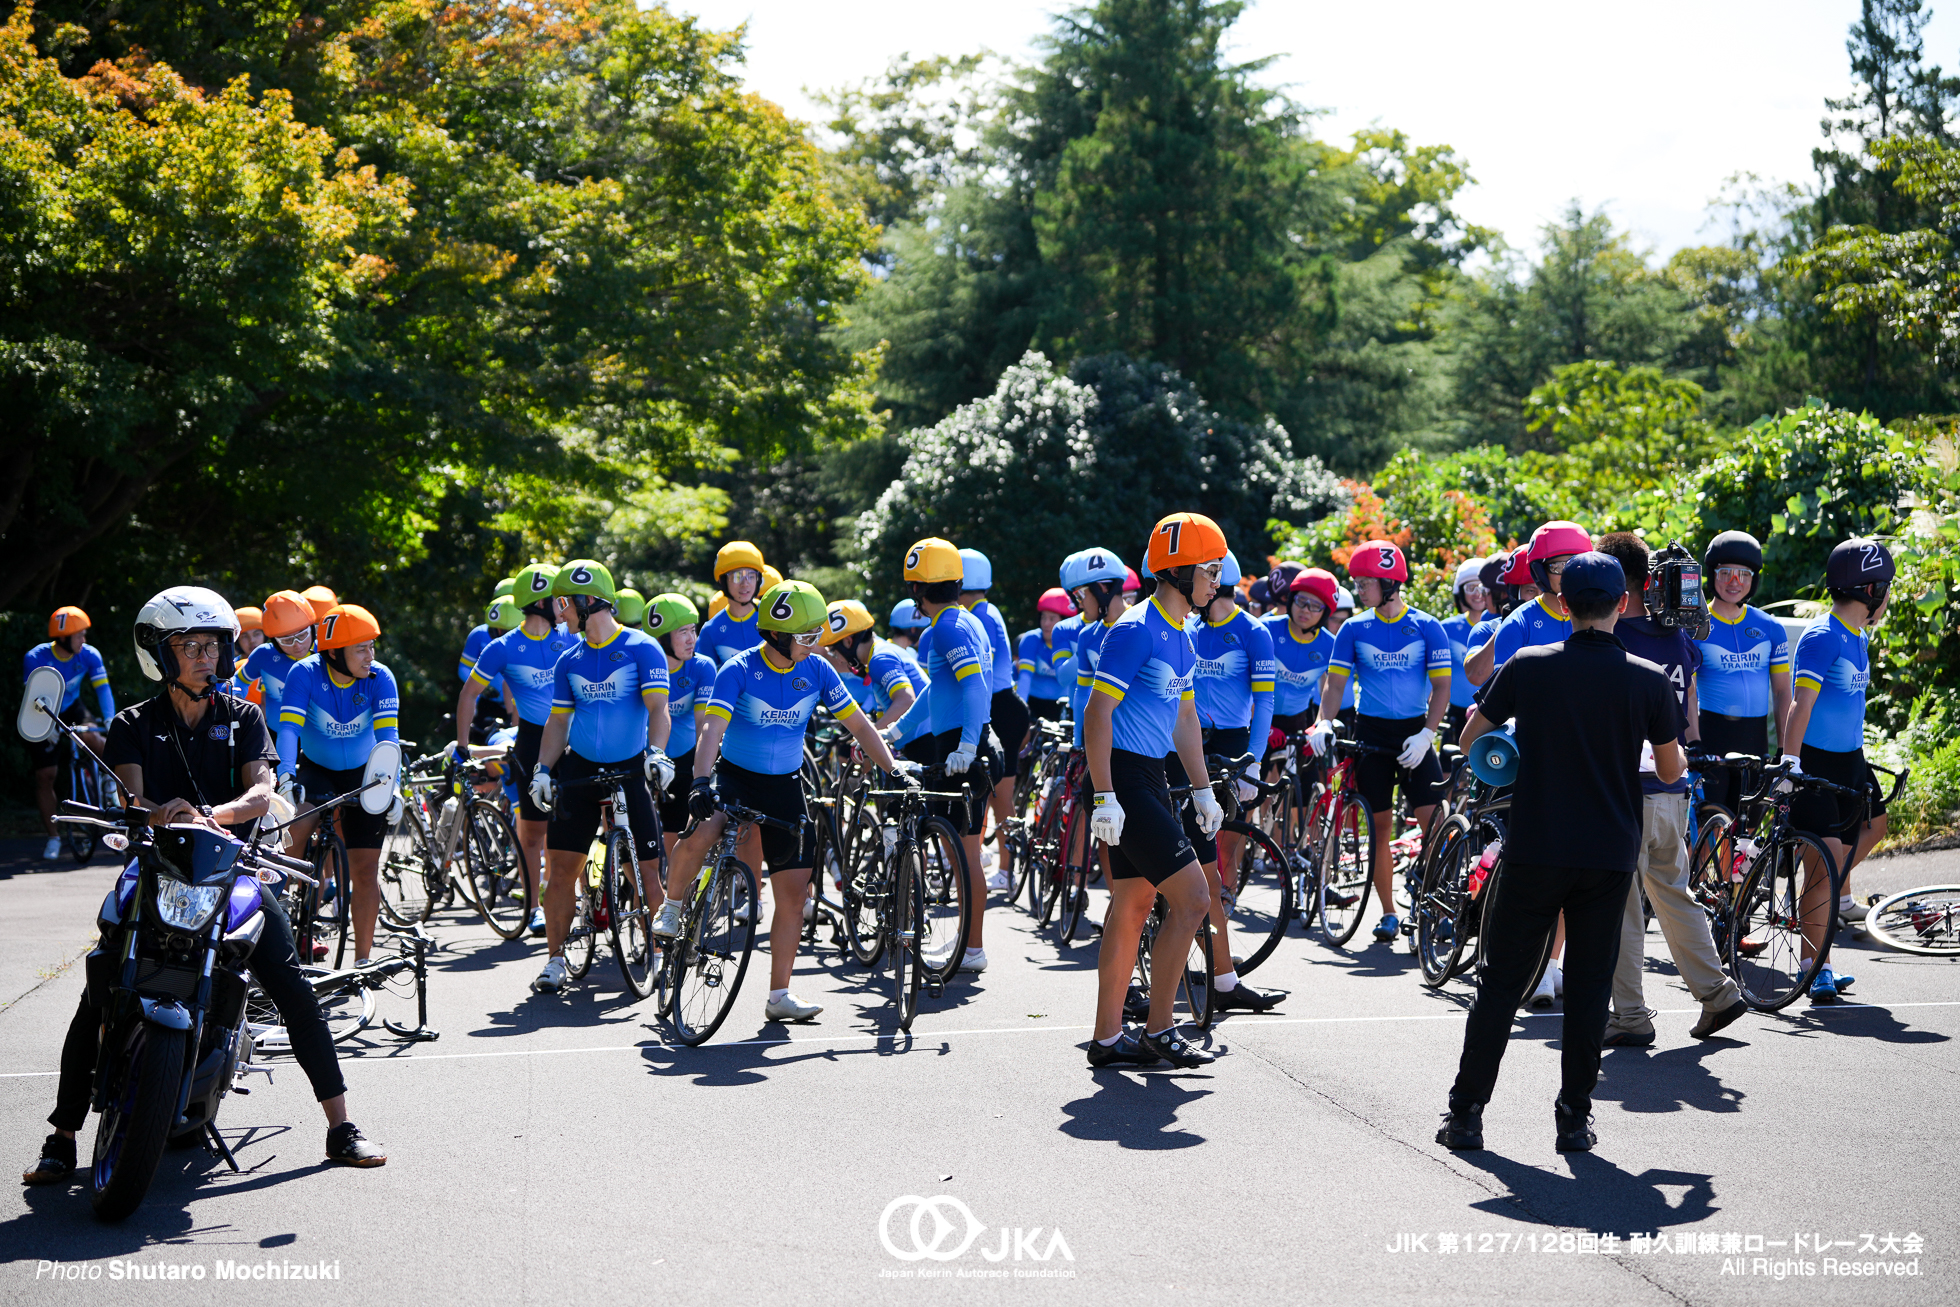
x: 1343, y: 598
x: 176, y: 611
x: 1467, y: 571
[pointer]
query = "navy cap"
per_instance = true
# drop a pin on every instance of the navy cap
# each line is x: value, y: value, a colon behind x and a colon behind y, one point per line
x: 1594, y: 578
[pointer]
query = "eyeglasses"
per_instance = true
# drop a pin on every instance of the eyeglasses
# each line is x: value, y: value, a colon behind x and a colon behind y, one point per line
x: 1213, y: 570
x: 1309, y: 602
x: 296, y: 639
x: 1473, y: 589
x: 808, y: 638
x: 1556, y: 566
x: 1734, y: 574
x: 746, y: 574
x: 198, y: 650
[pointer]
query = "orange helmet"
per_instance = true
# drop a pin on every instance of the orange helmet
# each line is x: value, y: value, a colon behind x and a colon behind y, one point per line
x: 66, y: 620
x: 250, y: 619
x: 286, y: 613
x: 347, y: 624
x: 321, y: 598
x: 1184, y: 539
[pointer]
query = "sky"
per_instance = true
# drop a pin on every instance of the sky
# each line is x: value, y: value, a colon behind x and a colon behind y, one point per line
x: 1645, y: 110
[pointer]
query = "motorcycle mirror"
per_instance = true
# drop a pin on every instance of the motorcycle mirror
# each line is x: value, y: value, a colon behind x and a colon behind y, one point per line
x: 39, y: 702
x: 384, y: 764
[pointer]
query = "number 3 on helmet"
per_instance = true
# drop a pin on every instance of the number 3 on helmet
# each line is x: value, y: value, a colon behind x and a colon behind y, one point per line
x: 1378, y: 559
x: 1182, y: 540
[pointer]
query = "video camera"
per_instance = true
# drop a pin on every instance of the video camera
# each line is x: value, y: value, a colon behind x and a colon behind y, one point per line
x: 1674, y: 595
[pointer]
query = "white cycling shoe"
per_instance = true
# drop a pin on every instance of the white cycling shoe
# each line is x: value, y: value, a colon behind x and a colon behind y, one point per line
x: 667, y: 922
x: 53, y: 849
x: 975, y: 961
x: 1548, y: 985
x: 790, y: 1008
x: 1000, y: 881
x: 553, y: 979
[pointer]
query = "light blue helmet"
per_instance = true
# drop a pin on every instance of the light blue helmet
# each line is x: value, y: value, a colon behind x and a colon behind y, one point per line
x: 907, y: 617
x: 976, y: 573
x: 1086, y: 565
x: 1228, y: 575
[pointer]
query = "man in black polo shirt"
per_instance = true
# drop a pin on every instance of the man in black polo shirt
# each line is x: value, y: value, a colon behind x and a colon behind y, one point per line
x: 1583, y: 710
x: 195, y: 755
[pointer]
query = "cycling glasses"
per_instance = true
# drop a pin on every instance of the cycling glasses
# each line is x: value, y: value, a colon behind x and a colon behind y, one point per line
x: 741, y: 573
x: 1734, y: 574
x: 1556, y: 566
x: 297, y: 640
x: 1309, y: 602
x: 808, y: 638
x: 1213, y: 570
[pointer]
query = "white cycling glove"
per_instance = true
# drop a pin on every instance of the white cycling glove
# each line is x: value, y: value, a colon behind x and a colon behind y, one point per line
x: 1207, y: 809
x: 1106, y: 824
x: 396, y: 807
x: 906, y: 768
x: 289, y: 790
x: 1320, y: 738
x: 961, y: 758
x: 1794, y: 765
x: 1248, y: 783
x: 660, y: 770
x: 1415, y: 747
x: 544, y: 788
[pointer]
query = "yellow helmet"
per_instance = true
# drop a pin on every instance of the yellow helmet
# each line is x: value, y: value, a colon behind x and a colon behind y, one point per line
x: 846, y: 618
x: 739, y: 553
x: 933, y: 559
x: 716, y: 604
x: 771, y: 578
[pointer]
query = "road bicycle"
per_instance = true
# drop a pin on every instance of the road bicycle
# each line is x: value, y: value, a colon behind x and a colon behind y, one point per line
x: 887, y: 913
x: 1924, y: 920
x: 610, y: 895
x: 452, y: 836
x: 86, y: 781
x: 1256, y: 882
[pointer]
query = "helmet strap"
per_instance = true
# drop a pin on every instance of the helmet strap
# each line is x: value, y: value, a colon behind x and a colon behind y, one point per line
x: 1389, y: 589
x: 336, y: 659
x: 781, y: 642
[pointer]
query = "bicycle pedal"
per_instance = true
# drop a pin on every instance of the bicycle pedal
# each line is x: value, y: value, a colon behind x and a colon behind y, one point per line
x: 935, y: 989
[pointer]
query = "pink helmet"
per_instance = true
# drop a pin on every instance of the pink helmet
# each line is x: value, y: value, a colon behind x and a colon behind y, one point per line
x: 1380, y: 559
x: 1131, y: 585
x: 1548, y: 541
x: 1318, y: 582
x: 1055, y: 600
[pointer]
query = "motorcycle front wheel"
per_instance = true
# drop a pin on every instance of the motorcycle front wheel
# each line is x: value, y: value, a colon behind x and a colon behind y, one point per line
x: 130, y: 1137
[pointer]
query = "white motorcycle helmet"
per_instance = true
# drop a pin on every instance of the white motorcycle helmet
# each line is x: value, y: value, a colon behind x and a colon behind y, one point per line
x: 179, y: 611
x: 1466, y: 571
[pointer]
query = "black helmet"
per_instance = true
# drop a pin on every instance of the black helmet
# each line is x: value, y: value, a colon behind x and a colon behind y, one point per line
x: 1862, y: 569
x: 1503, y: 597
x: 1735, y: 549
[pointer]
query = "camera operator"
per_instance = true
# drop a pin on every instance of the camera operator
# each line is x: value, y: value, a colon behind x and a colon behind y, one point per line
x: 195, y: 755
x: 1583, y: 708
x: 1650, y: 629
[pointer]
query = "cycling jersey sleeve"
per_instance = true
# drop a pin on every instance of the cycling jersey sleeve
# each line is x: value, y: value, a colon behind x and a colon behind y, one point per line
x: 831, y: 690
x: 98, y: 677
x: 1024, y: 664
x: 1265, y: 670
x: 1780, y: 652
x: 1441, y: 658
x: 387, y: 704
x: 1342, y: 658
x: 292, y: 716
x: 1509, y: 639
x: 487, y: 665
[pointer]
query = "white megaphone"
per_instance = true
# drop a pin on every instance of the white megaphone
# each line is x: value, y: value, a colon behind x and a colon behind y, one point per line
x: 1494, y: 756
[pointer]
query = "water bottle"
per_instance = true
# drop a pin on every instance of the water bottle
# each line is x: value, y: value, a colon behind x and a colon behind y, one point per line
x: 1746, y: 850
x: 1481, y: 872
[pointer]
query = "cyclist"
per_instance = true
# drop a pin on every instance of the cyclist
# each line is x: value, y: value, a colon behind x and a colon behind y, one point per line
x: 877, y: 675
x: 320, y: 599
x: 1037, y: 670
x: 171, y: 763
x: 1824, y: 735
x: 906, y: 623
x: 526, y: 661
x: 1301, y: 647
x: 751, y: 750
x: 1745, y: 664
x: 1401, y: 660
x: 68, y: 652
x: 488, y: 705
x: 1542, y: 620
x: 738, y: 575
x: 1141, y: 711
x: 1132, y: 587
x: 1094, y: 579
x: 1233, y: 693
x: 251, y: 631
x: 338, y: 704
x: 608, y: 710
x: 1500, y: 600
x: 288, y: 623
x: 1467, y: 592
x: 674, y: 621
x: 632, y: 610
x: 1007, y: 714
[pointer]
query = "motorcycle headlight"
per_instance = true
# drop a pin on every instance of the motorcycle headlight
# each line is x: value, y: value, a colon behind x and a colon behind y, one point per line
x: 187, y: 907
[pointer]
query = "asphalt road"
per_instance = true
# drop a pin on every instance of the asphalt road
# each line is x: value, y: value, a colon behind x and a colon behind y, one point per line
x: 551, y: 1148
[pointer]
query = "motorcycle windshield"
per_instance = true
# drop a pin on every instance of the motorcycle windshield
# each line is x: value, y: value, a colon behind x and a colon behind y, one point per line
x: 194, y: 854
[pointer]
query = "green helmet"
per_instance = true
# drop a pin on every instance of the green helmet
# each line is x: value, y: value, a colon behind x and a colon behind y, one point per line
x: 533, y: 583
x: 503, y: 614
x: 505, y: 586
x: 792, y: 606
x: 632, y: 606
x: 667, y: 613
x: 584, y: 576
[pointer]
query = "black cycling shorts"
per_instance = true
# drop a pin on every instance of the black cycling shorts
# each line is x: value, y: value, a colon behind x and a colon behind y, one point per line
x: 780, y: 797
x: 524, y: 753
x: 1010, y: 721
x: 931, y: 750
x: 1377, y: 775
x: 575, y: 819
x: 43, y: 754
x: 488, y: 719
x: 1225, y: 743
x: 1837, y: 816
x: 1721, y: 734
x: 673, y: 800
x: 1048, y: 710
x: 359, y: 828
x: 1154, y: 845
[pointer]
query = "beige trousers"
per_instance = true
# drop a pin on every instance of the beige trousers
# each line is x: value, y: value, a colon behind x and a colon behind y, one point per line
x: 1663, y: 870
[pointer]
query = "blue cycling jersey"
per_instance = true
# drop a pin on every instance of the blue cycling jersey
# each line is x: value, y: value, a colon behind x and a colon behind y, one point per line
x: 688, y: 691
x: 890, y: 672
x: 473, y: 647
x: 75, y: 669
x: 722, y: 637
x: 609, y: 689
x: 1088, y: 650
x: 1035, y: 671
x: 1145, y: 665
x: 1394, y: 661
x: 1737, y: 660
x: 1233, y: 678
x: 1482, y: 633
x: 1298, y: 665
x: 1832, y: 659
x: 332, y: 720
x: 1000, y: 664
x: 957, y: 654
x: 1538, y: 622
x: 768, y: 708
x: 271, y: 668
x: 1456, y: 630
x: 528, y: 664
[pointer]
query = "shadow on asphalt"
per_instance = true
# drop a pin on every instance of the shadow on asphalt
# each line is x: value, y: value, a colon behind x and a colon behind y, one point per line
x: 1135, y: 1110
x: 1672, y: 1080
x: 1859, y: 1021
x: 1596, y: 1195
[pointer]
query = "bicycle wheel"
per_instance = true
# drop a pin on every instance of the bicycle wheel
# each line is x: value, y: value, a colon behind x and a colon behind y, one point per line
x: 1767, y: 946
x: 947, y: 922
x: 868, y: 902
x: 1440, y: 905
x: 407, y: 866
x: 81, y: 840
x: 348, y: 1011
x: 1482, y: 963
x: 583, y: 939
x: 1924, y: 920
x: 906, y: 903
x: 1261, y: 903
x: 1347, y: 866
x: 713, y: 951
x: 1197, y: 987
x: 333, y: 918
x: 494, y: 862
x: 632, y: 920
x: 1708, y: 875
x: 1072, y: 884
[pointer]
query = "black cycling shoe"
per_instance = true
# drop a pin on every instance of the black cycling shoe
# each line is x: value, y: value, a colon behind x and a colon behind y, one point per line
x: 1175, y: 1049
x: 348, y: 1146
x: 57, y: 1162
x: 1463, y: 1127
x: 1244, y: 998
x: 1575, y: 1132
x: 1126, y: 1051
x: 1136, y: 1004
x: 1628, y: 1039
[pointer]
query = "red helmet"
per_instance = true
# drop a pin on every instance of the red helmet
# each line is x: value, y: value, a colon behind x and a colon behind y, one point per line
x: 1548, y: 541
x: 1055, y: 600
x: 1380, y: 559
x: 1318, y: 582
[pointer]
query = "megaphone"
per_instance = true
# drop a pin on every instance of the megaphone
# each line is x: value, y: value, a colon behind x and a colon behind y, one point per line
x: 1494, y: 756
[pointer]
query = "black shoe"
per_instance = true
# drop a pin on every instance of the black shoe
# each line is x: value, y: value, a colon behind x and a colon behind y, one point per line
x: 1575, y: 1132
x: 1244, y: 998
x: 1463, y: 1127
x: 1175, y: 1049
x: 1627, y: 1039
x: 1712, y: 1022
x: 1126, y: 1051
x: 1136, y: 1004
x: 346, y: 1145
x: 56, y: 1164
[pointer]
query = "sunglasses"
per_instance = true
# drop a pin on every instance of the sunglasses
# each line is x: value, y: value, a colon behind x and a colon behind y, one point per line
x: 1734, y: 574
x: 808, y: 638
x: 1213, y: 570
x: 1556, y: 566
x: 1309, y: 602
x: 295, y: 640
x: 1473, y: 587
x: 745, y: 574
